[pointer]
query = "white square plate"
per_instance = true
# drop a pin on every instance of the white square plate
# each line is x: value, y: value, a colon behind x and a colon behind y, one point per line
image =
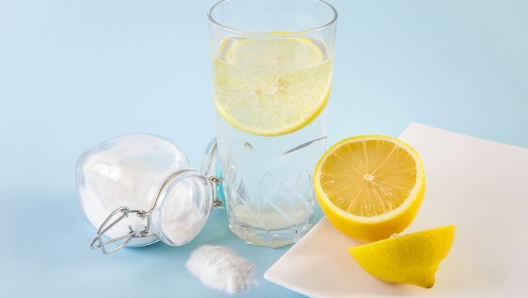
x: 478, y: 185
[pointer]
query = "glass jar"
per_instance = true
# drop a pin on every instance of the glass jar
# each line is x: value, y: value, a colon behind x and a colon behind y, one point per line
x: 139, y: 189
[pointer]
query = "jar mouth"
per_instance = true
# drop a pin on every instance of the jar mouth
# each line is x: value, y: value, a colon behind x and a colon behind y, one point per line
x: 213, y: 20
x: 184, y: 205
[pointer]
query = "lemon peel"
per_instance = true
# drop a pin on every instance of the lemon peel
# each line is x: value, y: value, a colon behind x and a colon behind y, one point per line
x: 408, y: 259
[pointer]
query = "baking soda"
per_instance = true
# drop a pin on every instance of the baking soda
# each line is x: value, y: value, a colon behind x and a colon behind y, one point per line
x: 181, y: 221
x: 221, y: 268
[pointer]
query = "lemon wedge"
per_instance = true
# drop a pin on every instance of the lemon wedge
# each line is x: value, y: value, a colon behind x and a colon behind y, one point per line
x: 408, y: 259
x: 271, y: 86
x: 370, y: 187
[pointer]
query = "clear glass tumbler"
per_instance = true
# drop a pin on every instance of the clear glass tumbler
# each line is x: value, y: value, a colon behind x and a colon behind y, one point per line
x: 272, y: 66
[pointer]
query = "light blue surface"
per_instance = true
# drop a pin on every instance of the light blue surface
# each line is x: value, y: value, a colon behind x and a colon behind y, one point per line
x: 74, y: 73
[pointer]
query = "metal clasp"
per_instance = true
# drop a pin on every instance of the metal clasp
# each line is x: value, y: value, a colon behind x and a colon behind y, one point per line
x: 208, y: 161
x: 107, y: 225
x: 216, y: 181
x: 143, y: 214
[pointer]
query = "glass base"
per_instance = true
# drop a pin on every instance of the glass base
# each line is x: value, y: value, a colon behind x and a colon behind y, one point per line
x: 270, y: 238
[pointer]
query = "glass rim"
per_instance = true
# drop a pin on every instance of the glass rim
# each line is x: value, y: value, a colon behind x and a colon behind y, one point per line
x: 242, y: 32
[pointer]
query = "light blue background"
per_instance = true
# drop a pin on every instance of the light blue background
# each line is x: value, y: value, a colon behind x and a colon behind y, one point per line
x: 74, y: 73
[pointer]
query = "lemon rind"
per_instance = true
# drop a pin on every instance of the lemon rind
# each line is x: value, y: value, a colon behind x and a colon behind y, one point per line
x: 419, y: 274
x: 295, y: 126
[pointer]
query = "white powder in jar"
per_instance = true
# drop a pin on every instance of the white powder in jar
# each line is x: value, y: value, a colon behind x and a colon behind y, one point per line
x: 221, y: 268
x: 181, y: 220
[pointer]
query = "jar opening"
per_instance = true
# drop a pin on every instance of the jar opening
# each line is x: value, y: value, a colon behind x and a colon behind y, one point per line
x: 183, y: 208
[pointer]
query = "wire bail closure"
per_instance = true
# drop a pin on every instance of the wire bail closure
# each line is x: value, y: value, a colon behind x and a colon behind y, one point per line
x: 132, y: 234
x: 216, y: 201
x: 144, y: 215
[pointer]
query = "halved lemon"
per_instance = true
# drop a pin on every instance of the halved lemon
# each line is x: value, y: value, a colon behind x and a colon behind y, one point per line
x: 370, y: 187
x: 407, y: 259
x: 271, y: 86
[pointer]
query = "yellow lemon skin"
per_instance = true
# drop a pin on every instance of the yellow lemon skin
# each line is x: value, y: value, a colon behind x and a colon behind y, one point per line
x: 381, y: 226
x: 375, y: 230
x: 274, y: 131
x: 408, y: 259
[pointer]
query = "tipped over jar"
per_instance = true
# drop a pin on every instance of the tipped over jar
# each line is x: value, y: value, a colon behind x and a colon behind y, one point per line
x: 139, y: 189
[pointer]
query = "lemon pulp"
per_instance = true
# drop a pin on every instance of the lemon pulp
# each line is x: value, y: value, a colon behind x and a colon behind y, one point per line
x: 370, y: 187
x: 271, y: 86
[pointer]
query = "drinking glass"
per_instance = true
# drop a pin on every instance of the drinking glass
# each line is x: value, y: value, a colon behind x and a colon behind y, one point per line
x: 272, y: 66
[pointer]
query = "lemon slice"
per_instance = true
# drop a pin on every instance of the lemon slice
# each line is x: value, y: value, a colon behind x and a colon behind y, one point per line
x: 271, y: 86
x: 408, y: 259
x: 370, y: 187
x: 276, y: 54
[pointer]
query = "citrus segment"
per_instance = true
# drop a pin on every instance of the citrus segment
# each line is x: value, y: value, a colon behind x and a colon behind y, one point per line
x: 370, y: 187
x: 271, y: 86
x: 408, y: 259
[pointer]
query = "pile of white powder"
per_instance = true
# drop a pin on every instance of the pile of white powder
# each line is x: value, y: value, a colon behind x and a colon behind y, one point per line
x: 221, y: 268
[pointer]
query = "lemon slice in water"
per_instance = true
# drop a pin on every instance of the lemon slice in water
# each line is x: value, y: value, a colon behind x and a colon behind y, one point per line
x: 271, y: 86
